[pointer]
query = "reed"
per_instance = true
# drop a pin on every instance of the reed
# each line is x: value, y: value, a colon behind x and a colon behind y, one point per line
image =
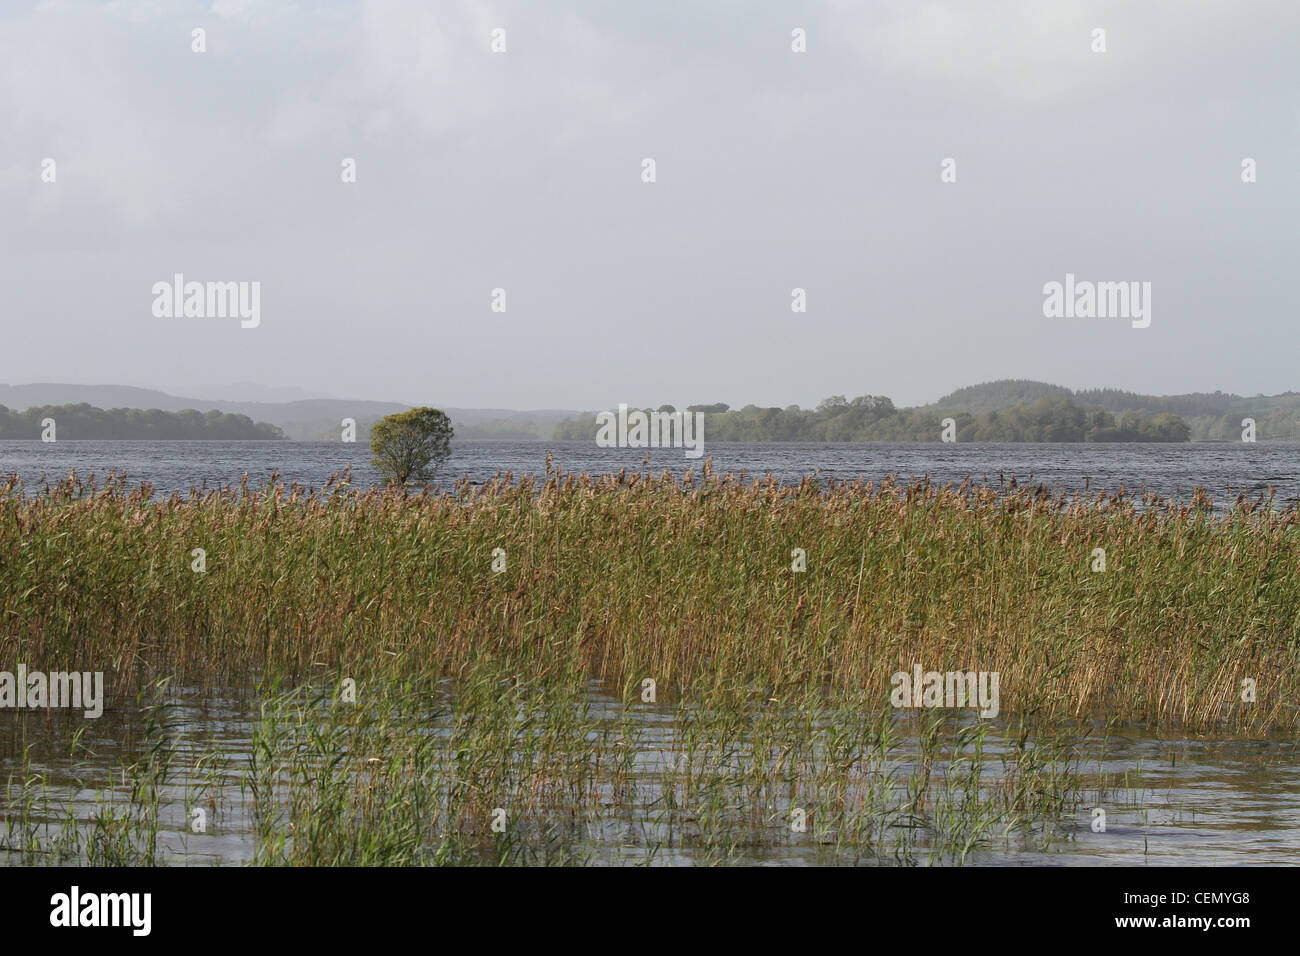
x: 488, y: 769
x: 688, y: 582
x: 521, y: 773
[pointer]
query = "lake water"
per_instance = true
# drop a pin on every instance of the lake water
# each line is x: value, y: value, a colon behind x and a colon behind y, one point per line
x: 1223, y: 469
x: 1200, y: 800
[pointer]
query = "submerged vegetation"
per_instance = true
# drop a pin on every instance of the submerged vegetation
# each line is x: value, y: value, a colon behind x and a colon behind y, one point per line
x: 428, y: 663
x: 490, y: 769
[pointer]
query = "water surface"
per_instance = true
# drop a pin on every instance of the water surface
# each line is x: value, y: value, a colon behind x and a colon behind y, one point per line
x: 1224, y: 469
x: 1191, y: 801
x: 1200, y: 800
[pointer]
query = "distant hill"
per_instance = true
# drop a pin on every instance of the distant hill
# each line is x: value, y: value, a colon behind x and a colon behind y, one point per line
x: 1004, y: 393
x: 995, y: 396
x: 1210, y: 416
x: 1005, y: 410
x: 302, y: 420
x: 100, y: 396
x: 1010, y: 410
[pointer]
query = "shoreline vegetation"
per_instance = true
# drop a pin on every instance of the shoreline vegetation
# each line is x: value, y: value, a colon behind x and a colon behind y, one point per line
x: 688, y: 581
x: 869, y: 418
x: 423, y: 666
x: 1001, y: 411
x: 1009, y: 410
x: 84, y: 422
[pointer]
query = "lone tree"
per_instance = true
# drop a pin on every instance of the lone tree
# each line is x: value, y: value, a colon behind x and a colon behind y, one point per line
x: 411, y: 445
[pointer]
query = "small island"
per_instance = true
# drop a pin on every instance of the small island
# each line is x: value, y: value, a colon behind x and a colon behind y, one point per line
x: 870, y: 418
x: 83, y: 422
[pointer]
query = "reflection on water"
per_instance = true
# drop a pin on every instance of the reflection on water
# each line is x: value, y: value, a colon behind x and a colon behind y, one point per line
x: 1201, y: 801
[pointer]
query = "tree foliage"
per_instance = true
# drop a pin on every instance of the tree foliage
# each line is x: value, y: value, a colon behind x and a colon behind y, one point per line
x: 81, y: 422
x: 875, y: 418
x: 412, y: 445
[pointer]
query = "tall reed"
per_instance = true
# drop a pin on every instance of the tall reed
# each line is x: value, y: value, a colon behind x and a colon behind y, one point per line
x: 687, y: 582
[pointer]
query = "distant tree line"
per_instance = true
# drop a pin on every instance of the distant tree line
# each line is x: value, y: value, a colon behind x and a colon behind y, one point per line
x: 874, y: 418
x: 493, y: 430
x: 82, y: 421
x: 1210, y: 416
x: 1059, y: 419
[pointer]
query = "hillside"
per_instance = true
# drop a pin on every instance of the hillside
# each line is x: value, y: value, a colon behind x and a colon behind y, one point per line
x: 1005, y: 410
x: 1009, y: 410
x: 312, y: 419
x: 874, y: 418
x: 1210, y: 416
x: 995, y: 396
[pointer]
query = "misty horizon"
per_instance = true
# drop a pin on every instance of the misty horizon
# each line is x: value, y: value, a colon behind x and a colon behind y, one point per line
x: 258, y: 393
x: 918, y: 174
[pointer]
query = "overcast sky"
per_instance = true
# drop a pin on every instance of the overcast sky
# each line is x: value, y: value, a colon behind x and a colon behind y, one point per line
x: 775, y: 170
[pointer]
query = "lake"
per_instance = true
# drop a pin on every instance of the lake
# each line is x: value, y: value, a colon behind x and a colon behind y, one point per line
x: 1224, y: 469
x: 1190, y: 800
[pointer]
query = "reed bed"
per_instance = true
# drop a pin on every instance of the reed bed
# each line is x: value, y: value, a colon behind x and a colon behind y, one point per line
x: 688, y: 582
x: 485, y: 770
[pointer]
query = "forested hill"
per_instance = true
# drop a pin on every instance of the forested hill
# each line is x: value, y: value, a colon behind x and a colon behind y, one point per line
x: 1009, y: 410
x: 874, y: 418
x: 1007, y: 393
x: 1209, y: 416
x: 82, y: 422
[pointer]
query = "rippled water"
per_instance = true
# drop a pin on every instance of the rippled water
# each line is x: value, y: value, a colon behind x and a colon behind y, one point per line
x: 1201, y: 801
x: 1224, y: 469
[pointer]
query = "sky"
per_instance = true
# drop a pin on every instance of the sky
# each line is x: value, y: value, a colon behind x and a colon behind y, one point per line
x: 523, y: 170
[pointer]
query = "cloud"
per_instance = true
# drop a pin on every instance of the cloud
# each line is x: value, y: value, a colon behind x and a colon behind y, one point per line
x: 777, y: 170
x: 232, y: 8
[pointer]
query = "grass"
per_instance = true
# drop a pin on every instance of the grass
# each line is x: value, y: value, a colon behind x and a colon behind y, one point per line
x: 420, y: 705
x: 488, y: 771
x: 686, y: 582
